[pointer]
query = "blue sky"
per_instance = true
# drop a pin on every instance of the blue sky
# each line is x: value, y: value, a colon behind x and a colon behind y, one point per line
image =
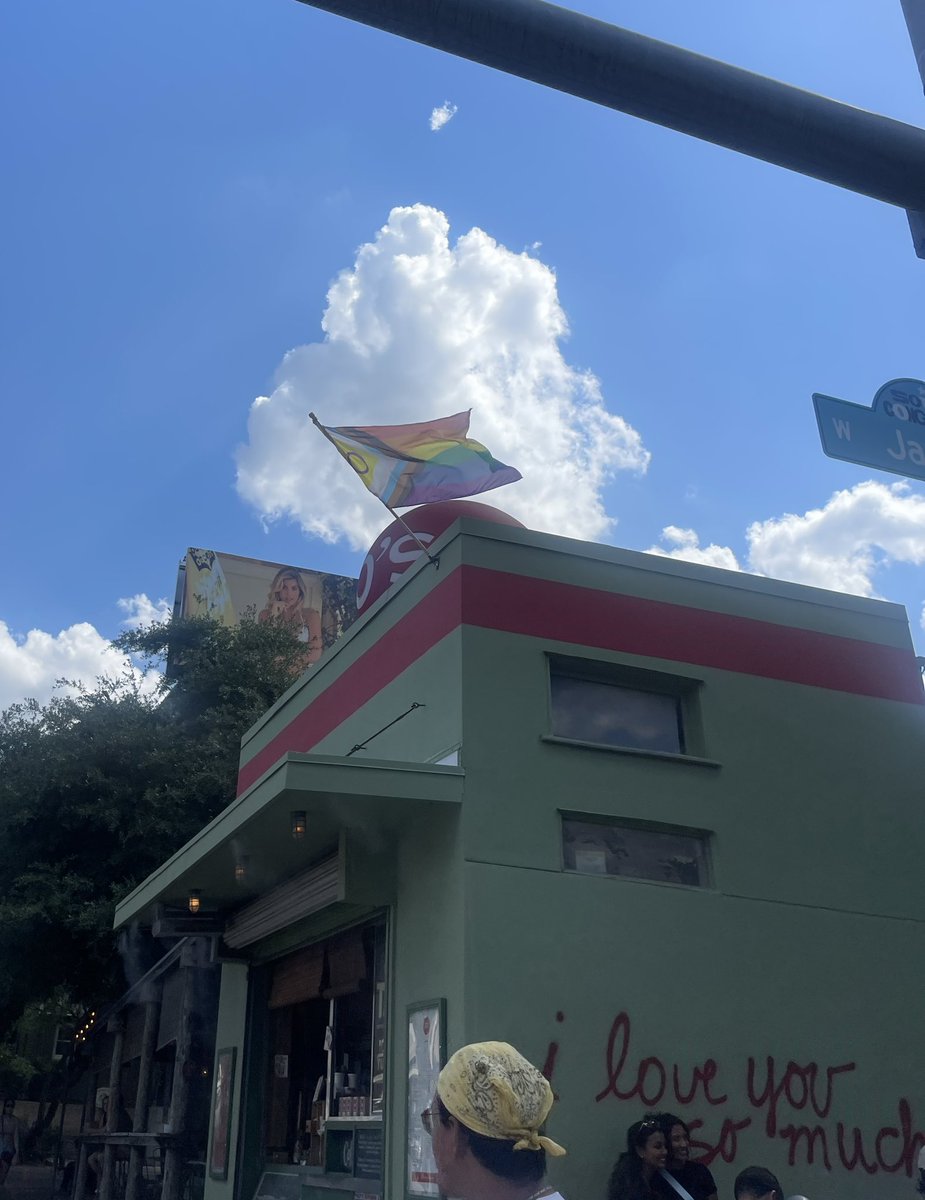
x: 186, y: 181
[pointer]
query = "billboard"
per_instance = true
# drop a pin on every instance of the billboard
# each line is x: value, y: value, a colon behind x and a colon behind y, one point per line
x: 228, y: 588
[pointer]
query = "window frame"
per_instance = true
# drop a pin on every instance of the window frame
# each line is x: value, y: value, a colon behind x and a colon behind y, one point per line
x: 686, y: 690
x: 705, y: 836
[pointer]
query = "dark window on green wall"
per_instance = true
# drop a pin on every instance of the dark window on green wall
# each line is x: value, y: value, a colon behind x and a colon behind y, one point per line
x: 665, y: 854
x: 611, y: 713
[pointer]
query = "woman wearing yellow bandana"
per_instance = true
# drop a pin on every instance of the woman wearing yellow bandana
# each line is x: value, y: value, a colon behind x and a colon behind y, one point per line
x: 485, y: 1122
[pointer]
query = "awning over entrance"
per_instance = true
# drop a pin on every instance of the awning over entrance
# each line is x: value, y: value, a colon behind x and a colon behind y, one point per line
x: 249, y: 848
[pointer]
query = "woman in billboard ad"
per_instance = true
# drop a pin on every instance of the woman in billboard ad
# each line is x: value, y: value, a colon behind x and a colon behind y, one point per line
x: 286, y: 602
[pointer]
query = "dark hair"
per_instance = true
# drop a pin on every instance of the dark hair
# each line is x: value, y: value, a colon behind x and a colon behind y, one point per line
x: 626, y: 1179
x: 667, y: 1122
x: 640, y: 1131
x: 754, y: 1182
x: 498, y: 1154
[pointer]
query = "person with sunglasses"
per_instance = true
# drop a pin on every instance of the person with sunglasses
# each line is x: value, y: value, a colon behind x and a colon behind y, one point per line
x: 485, y: 1124
x: 636, y: 1173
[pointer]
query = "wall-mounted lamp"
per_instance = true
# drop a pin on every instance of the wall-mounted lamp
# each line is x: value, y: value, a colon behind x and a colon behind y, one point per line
x: 195, y: 901
x: 240, y: 870
x: 298, y: 825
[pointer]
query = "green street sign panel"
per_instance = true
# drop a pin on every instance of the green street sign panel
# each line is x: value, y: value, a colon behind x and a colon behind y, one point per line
x: 890, y: 435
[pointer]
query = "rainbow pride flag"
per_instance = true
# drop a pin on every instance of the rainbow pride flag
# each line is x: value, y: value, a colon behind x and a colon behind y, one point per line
x: 417, y: 464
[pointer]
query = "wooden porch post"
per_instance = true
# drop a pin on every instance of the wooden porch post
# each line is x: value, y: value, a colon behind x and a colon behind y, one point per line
x: 115, y: 1026
x: 190, y: 960
x: 80, y: 1181
x: 143, y: 1092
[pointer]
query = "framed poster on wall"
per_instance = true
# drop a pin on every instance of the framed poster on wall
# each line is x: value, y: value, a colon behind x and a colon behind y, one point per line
x: 221, y: 1112
x: 426, y: 1056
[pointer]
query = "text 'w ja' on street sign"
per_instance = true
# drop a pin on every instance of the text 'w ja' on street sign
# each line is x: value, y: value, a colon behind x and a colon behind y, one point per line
x: 890, y: 435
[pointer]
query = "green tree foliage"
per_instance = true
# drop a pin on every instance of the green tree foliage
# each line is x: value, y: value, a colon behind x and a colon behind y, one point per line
x: 36, y: 1037
x: 15, y: 1071
x: 98, y: 788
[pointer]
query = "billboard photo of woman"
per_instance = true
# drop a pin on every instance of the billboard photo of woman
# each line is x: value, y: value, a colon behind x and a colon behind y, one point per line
x: 287, y: 600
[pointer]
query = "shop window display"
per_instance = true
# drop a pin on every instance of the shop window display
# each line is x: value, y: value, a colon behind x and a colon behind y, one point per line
x: 326, y: 1052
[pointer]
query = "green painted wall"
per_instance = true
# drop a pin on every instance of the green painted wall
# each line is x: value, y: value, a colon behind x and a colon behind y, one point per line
x: 815, y: 798
x: 809, y: 946
x: 230, y: 1031
x: 428, y: 958
x: 702, y: 977
x: 427, y: 733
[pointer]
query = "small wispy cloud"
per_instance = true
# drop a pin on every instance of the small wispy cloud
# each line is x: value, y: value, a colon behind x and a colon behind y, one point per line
x: 440, y: 116
x: 139, y: 610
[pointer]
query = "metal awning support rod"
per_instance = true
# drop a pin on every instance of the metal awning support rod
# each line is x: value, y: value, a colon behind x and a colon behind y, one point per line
x: 826, y: 139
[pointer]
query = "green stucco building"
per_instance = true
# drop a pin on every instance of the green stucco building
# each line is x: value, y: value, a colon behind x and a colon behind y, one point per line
x: 658, y: 825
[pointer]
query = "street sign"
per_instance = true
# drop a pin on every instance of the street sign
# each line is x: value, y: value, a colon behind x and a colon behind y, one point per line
x: 890, y: 435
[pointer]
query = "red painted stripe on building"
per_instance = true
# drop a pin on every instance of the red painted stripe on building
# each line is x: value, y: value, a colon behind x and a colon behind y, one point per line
x: 595, y: 619
x: 429, y: 622
x: 544, y: 608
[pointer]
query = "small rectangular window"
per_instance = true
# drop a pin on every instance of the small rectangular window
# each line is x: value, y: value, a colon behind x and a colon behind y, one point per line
x: 609, y: 705
x: 604, y: 847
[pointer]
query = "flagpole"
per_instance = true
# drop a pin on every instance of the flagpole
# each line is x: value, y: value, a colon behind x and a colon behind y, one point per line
x: 434, y: 558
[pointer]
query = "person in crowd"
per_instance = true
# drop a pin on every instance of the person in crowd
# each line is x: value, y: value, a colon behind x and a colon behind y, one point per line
x: 9, y: 1139
x: 485, y: 1124
x: 757, y: 1183
x: 687, y: 1179
x: 635, y: 1175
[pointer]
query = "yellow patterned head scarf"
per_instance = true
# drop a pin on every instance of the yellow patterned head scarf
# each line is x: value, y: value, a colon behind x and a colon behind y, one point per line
x: 493, y: 1090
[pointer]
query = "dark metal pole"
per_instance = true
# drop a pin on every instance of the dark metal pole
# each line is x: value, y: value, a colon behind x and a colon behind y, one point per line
x: 914, y: 12
x: 826, y: 139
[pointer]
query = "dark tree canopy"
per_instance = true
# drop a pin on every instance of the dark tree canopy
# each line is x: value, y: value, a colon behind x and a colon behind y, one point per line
x: 98, y: 788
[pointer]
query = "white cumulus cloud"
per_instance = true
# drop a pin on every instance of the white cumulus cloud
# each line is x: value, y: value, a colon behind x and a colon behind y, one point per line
x: 31, y: 665
x: 685, y: 544
x: 442, y: 115
x: 840, y: 546
x: 420, y: 328
x: 139, y: 610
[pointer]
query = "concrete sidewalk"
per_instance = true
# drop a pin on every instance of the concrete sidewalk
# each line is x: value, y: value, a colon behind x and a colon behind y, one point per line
x: 28, y: 1181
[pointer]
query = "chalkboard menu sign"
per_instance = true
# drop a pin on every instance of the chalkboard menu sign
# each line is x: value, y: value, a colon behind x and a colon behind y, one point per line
x: 367, y: 1163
